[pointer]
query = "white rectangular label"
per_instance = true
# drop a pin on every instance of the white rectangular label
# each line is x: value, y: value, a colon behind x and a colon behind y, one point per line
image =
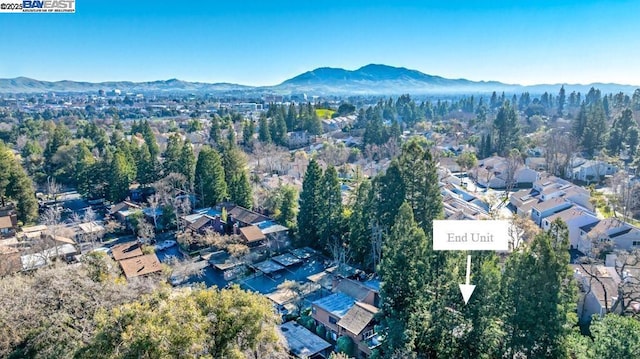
x: 492, y: 235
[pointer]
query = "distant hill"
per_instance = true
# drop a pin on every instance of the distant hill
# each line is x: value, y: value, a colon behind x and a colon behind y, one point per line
x: 28, y: 85
x: 367, y: 80
x: 383, y: 79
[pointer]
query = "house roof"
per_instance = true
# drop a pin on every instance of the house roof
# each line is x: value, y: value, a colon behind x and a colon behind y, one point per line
x: 5, y: 222
x: 286, y: 259
x: 31, y: 229
x: 358, y: 318
x: 252, y: 234
x: 6, y: 250
x: 606, y: 284
x: 283, y: 296
x: 200, y: 222
x: 623, y: 232
x: 246, y: 216
x: 268, y: 266
x: 64, y: 240
x: 549, y: 180
x: 91, y: 227
x: 551, y: 189
x: 126, y: 250
x: 571, y: 213
x: 338, y: 304
x: 355, y: 290
x: 324, y: 278
x: 604, y: 226
x: 123, y: 206
x: 457, y: 208
x: 301, y: 341
x: 549, y: 204
x: 142, y: 265
x: 303, y: 253
x: 40, y: 259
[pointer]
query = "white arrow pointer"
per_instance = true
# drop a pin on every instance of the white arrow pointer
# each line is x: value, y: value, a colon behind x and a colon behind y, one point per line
x: 467, y: 289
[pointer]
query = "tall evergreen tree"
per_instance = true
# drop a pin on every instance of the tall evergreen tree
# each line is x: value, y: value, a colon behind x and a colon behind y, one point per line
x: 506, y: 126
x: 313, y: 123
x: 278, y: 130
x: 420, y: 178
x: 292, y: 118
x: 593, y: 137
x: 147, y: 168
x: 538, y: 310
x: 288, y: 206
x: 264, y: 134
x: 187, y: 162
x: 360, y: 225
x: 150, y: 140
x: 310, y: 197
x: 240, y: 190
x: 84, y: 166
x: 390, y: 194
x: 330, y: 209
x: 209, y: 179
x: 237, y: 177
x: 248, y: 130
x: 172, y: 154
x: 121, y: 174
x: 562, y: 98
x: 580, y: 123
x: 215, y: 130
x: 404, y: 287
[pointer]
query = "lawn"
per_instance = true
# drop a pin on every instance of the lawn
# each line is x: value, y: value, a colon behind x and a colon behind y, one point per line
x: 324, y: 113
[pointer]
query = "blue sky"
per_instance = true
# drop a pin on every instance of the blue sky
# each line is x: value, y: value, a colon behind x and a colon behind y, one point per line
x: 266, y: 42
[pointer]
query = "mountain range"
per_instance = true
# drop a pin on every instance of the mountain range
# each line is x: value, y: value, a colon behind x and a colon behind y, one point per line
x: 367, y: 80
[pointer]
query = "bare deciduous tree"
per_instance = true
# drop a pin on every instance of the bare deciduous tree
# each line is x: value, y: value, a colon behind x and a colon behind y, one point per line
x: 521, y: 231
x: 513, y: 163
x: 629, y: 287
x: 624, y: 195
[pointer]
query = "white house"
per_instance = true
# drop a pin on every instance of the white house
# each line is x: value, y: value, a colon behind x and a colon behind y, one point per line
x: 621, y: 234
x: 590, y: 170
x: 598, y: 290
x: 575, y: 218
x: 542, y: 210
x: 493, y: 172
x: 523, y: 200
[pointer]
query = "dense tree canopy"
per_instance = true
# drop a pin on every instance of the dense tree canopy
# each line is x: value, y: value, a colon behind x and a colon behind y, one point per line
x: 200, y: 323
x: 17, y: 186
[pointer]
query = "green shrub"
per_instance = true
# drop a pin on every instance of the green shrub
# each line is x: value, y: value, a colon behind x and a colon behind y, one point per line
x: 345, y: 344
x: 321, y: 331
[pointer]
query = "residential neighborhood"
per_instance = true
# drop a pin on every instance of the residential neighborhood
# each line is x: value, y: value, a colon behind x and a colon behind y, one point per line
x: 320, y: 180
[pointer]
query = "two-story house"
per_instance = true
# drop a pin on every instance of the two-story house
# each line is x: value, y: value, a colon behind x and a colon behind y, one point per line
x: 359, y: 325
x: 542, y: 210
x: 611, y: 230
x: 598, y: 290
x: 575, y: 218
x: 350, y: 311
x: 494, y: 172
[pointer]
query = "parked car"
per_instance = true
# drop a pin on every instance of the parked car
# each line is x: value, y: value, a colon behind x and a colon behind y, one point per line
x: 104, y: 250
x: 165, y: 244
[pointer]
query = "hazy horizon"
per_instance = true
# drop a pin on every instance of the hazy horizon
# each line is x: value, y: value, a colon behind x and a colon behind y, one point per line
x: 263, y: 44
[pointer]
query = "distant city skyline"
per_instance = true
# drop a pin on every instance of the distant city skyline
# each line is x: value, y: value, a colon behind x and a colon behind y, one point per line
x: 265, y: 43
